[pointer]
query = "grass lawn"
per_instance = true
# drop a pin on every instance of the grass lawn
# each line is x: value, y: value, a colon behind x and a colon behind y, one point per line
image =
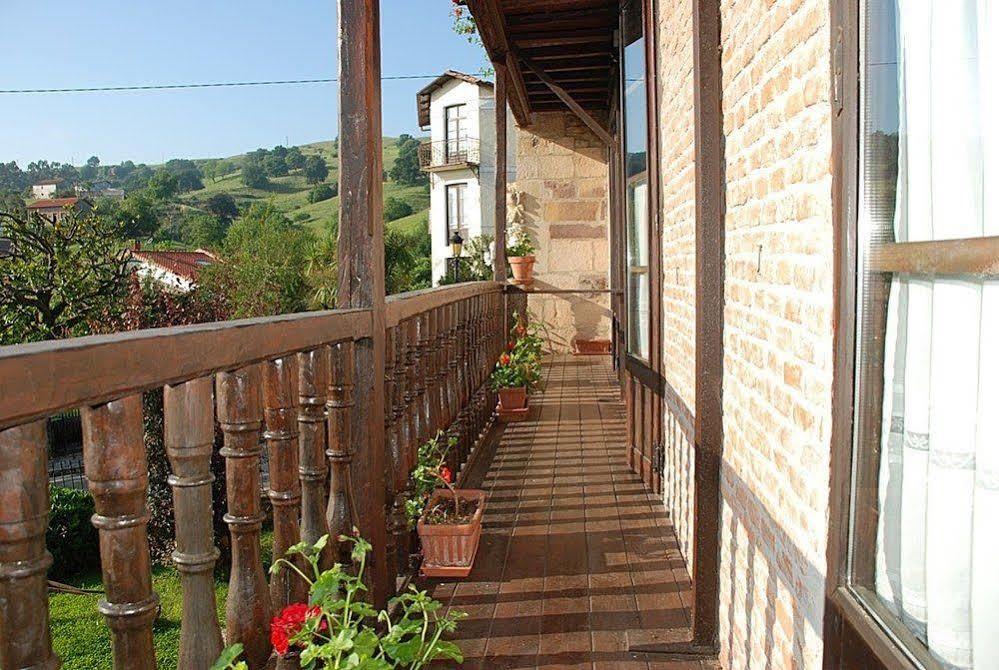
x: 82, y: 638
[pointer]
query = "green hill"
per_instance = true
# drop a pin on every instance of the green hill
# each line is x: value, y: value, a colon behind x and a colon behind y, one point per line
x: 290, y: 193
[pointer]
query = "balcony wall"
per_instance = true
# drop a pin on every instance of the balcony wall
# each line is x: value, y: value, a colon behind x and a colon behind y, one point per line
x: 562, y: 178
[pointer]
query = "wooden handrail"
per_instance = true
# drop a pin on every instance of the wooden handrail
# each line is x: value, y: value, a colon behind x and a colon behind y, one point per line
x: 43, y: 378
x: 403, y: 306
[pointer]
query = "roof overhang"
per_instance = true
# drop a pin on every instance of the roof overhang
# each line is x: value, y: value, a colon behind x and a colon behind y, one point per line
x: 559, y: 54
x: 424, y: 95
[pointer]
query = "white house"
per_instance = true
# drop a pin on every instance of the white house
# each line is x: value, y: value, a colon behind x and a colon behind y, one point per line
x: 460, y: 158
x: 46, y: 188
x: 177, y: 271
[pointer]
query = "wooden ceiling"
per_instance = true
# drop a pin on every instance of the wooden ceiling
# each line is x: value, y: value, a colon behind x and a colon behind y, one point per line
x: 568, y: 42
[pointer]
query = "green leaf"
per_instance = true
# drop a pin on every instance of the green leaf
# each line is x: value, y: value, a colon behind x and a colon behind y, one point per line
x: 228, y: 658
x: 328, y: 584
x: 445, y: 649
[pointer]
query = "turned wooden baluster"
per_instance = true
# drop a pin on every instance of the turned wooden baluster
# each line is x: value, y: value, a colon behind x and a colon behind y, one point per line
x: 451, y: 347
x: 400, y: 406
x: 464, y: 358
x: 393, y: 461
x: 114, y: 462
x: 25, y: 639
x: 433, y: 392
x: 313, y: 470
x: 189, y: 437
x: 248, y: 608
x: 410, y: 395
x: 341, y: 516
x: 440, y: 369
x: 421, y: 360
x: 284, y: 491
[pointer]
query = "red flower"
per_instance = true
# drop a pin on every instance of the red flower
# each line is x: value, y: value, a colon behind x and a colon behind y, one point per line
x: 446, y: 474
x: 505, y: 359
x: 521, y: 330
x: 289, y: 622
x: 510, y: 345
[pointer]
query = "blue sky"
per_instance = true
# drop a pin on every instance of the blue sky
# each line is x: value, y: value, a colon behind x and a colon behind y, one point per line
x: 63, y: 43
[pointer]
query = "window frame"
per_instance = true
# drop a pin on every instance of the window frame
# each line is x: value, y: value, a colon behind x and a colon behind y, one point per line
x: 854, y: 614
x: 453, y: 148
x: 462, y: 188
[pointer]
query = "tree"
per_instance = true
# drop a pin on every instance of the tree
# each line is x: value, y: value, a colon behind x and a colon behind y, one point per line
x: 257, y: 156
x: 12, y: 178
x: 406, y: 169
x: 275, y: 166
x: 264, y: 270
x: 162, y: 185
x: 89, y: 171
x: 254, y: 176
x: 295, y: 158
x: 138, y: 178
x: 204, y: 231
x: 12, y: 203
x: 315, y: 169
x: 396, y: 209
x: 222, y: 206
x: 62, y: 277
x: 322, y: 192
x: 136, y: 214
x: 280, y: 151
x: 187, y: 172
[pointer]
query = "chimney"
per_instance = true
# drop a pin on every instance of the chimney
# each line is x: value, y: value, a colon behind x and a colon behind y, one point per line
x: 136, y: 245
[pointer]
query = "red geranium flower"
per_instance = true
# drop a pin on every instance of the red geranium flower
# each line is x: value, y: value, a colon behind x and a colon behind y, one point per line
x: 521, y: 330
x: 505, y: 359
x: 446, y: 474
x: 289, y: 622
x: 510, y: 345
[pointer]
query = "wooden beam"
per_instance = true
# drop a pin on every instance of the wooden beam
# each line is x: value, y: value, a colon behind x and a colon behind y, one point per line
x: 558, y: 37
x: 569, y: 19
x: 492, y: 30
x: 591, y: 122
x: 709, y: 245
x: 499, y: 222
x: 974, y: 256
x: 361, y: 247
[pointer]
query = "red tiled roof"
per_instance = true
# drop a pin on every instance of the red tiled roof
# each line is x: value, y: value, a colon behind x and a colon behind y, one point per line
x: 186, y: 264
x: 47, y: 182
x: 54, y: 203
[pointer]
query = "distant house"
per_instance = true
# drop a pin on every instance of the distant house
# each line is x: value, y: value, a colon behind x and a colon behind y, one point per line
x: 57, y: 208
x: 460, y: 157
x: 176, y: 271
x: 45, y: 188
x: 100, y: 189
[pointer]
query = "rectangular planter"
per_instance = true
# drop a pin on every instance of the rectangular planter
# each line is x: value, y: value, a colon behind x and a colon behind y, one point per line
x: 512, y: 398
x: 591, y: 347
x: 449, y: 550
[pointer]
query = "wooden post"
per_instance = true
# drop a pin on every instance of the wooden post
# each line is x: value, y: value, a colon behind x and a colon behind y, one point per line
x: 189, y: 436
x: 114, y: 461
x: 281, y: 422
x: 499, y: 255
x: 25, y: 639
x: 362, y: 264
x: 248, y: 609
x: 313, y: 471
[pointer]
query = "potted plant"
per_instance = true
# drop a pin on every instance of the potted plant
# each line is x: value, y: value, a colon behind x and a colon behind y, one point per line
x: 337, y: 629
x: 520, y: 255
x: 517, y: 370
x: 448, y: 520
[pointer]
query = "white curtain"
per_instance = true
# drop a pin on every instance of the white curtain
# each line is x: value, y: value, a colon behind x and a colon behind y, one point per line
x: 937, y: 565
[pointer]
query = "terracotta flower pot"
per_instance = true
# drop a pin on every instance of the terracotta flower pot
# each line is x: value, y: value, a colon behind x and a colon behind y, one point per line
x: 449, y: 549
x: 522, y: 268
x: 513, y: 398
x: 591, y: 347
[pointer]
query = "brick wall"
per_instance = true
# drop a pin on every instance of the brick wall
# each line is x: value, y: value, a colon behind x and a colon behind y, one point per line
x: 562, y: 176
x: 777, y: 332
x: 674, y: 24
x: 777, y: 319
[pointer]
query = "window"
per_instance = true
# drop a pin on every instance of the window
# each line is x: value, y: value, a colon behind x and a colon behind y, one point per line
x: 456, y: 211
x: 636, y: 166
x: 925, y: 493
x: 455, y: 131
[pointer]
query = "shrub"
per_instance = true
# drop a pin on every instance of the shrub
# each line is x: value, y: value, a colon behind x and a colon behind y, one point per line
x: 254, y: 176
x: 70, y: 537
x: 396, y: 209
x: 322, y: 192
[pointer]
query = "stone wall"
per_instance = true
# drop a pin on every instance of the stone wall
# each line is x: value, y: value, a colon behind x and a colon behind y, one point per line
x: 777, y: 319
x: 562, y: 177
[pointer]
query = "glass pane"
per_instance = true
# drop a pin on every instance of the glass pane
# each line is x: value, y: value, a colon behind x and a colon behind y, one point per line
x: 636, y: 140
x: 926, y: 444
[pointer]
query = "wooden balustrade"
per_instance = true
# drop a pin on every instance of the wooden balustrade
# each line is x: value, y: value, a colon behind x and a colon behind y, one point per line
x: 286, y: 382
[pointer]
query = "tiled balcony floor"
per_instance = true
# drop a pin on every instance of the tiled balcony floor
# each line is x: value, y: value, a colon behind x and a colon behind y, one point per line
x: 577, y: 560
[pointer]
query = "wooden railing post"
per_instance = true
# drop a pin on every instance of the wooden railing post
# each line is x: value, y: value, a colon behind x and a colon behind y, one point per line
x: 440, y: 369
x: 420, y: 363
x: 313, y: 470
x: 114, y: 461
x: 189, y: 436
x: 395, y: 479
x: 248, y: 610
x: 412, y: 373
x: 341, y: 516
x: 361, y: 249
x: 25, y: 639
x: 499, y: 223
x: 281, y: 434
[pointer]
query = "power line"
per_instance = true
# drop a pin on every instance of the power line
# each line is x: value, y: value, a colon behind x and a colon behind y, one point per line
x: 218, y: 84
